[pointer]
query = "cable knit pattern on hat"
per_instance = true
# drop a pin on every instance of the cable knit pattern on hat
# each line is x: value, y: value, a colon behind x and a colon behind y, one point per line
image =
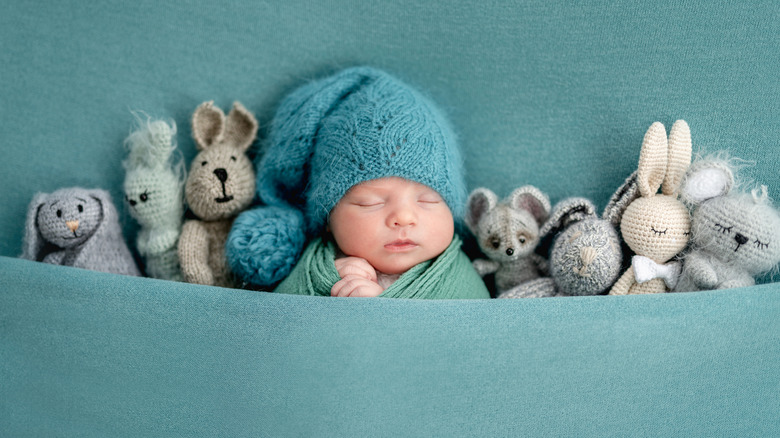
x: 327, y: 136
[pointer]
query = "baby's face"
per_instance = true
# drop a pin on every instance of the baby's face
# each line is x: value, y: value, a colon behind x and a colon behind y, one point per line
x: 392, y: 223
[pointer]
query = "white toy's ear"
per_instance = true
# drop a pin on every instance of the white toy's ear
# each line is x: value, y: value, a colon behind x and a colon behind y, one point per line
x: 33, y: 242
x: 706, y: 181
x: 531, y: 199
x: 208, y: 124
x: 151, y: 145
x: 240, y: 127
x: 680, y: 150
x: 567, y: 212
x: 653, y: 159
x: 480, y: 201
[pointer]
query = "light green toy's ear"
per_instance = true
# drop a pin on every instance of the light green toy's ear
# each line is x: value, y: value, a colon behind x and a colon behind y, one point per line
x: 151, y: 145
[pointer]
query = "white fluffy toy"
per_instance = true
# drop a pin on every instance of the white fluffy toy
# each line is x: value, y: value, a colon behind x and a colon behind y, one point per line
x: 154, y: 191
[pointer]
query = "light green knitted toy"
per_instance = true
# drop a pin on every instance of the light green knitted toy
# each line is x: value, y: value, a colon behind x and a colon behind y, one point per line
x: 154, y: 191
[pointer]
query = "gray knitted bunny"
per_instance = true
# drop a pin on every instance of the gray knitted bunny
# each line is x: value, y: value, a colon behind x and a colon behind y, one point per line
x: 77, y: 227
x: 734, y: 236
x: 586, y: 255
x: 508, y: 233
x: 221, y: 183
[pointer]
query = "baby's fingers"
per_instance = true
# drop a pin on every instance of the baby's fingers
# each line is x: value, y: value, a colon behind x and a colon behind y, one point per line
x: 349, y: 266
x: 354, y: 286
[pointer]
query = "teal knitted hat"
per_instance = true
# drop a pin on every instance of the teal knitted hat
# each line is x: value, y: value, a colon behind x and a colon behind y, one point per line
x: 327, y: 136
x: 358, y: 125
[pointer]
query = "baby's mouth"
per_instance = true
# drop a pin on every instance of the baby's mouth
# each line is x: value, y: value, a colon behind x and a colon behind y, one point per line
x: 401, y: 245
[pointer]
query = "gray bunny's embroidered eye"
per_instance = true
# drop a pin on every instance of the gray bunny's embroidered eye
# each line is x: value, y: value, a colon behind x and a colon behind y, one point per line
x: 80, y: 208
x: 59, y: 213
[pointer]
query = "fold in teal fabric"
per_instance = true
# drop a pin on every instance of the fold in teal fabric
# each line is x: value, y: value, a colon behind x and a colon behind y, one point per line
x: 448, y: 276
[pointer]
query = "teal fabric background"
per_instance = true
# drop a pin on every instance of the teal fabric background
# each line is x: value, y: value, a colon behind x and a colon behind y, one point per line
x: 540, y: 92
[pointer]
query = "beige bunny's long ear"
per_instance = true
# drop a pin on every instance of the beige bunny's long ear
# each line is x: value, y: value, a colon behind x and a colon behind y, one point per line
x: 240, y: 127
x: 680, y: 150
x: 208, y: 124
x: 653, y: 159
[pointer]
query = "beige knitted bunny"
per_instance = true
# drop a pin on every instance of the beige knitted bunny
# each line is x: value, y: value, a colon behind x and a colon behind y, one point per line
x: 657, y: 226
x: 220, y: 185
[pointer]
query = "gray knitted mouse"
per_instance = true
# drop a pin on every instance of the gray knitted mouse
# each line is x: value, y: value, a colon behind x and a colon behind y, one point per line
x: 508, y: 233
x: 734, y: 236
x: 77, y: 227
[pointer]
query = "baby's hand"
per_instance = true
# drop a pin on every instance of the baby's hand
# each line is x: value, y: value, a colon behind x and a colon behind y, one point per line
x: 356, y: 286
x: 355, y: 266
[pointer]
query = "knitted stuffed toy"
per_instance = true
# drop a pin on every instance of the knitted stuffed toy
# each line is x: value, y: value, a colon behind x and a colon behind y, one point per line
x: 220, y: 185
x: 734, y: 236
x: 154, y: 191
x: 508, y: 233
x: 77, y: 227
x: 657, y: 226
x: 586, y: 254
x: 327, y: 136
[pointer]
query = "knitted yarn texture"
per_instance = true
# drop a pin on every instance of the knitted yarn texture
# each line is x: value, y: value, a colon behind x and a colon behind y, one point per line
x: 221, y: 183
x: 327, y: 136
x: 655, y: 225
x: 77, y: 227
x: 734, y: 236
x: 154, y: 192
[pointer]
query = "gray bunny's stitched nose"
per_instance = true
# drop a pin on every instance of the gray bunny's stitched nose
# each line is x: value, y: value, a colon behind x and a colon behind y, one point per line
x: 221, y: 174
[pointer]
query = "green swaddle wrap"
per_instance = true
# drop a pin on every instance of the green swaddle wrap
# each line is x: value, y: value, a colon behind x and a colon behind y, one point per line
x: 448, y: 276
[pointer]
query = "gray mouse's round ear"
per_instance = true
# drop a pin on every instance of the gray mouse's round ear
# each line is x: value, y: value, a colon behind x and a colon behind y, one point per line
x: 282, y: 175
x: 566, y: 212
x: 480, y: 201
x: 627, y: 193
x: 33, y: 241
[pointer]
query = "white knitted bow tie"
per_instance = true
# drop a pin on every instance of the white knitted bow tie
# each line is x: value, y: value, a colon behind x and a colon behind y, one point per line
x: 646, y: 269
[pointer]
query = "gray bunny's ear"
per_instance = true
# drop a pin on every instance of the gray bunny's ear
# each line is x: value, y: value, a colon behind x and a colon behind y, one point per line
x: 620, y: 200
x: 566, y: 212
x: 109, y: 223
x: 33, y: 242
x: 480, y: 201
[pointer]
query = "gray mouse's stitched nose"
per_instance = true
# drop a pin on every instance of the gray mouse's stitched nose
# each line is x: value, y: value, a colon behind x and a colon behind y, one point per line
x: 221, y: 174
x: 740, y: 239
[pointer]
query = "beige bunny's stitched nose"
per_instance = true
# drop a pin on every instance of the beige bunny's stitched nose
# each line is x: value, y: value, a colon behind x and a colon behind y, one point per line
x: 72, y: 225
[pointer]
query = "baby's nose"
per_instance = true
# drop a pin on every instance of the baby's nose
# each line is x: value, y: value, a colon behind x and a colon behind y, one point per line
x: 72, y: 225
x: 403, y: 216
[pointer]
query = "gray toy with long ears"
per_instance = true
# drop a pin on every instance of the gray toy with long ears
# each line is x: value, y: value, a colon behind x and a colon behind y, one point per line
x: 508, y: 233
x: 734, y: 236
x: 77, y: 227
x: 221, y: 183
x: 657, y: 226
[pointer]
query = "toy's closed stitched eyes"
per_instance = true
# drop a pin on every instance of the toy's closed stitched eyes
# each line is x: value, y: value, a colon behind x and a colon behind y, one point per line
x: 723, y: 229
x: 657, y: 232
x: 760, y: 244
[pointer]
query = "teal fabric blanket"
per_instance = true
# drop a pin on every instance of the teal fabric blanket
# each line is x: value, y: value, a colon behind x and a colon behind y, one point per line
x: 449, y: 276
x: 551, y: 93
